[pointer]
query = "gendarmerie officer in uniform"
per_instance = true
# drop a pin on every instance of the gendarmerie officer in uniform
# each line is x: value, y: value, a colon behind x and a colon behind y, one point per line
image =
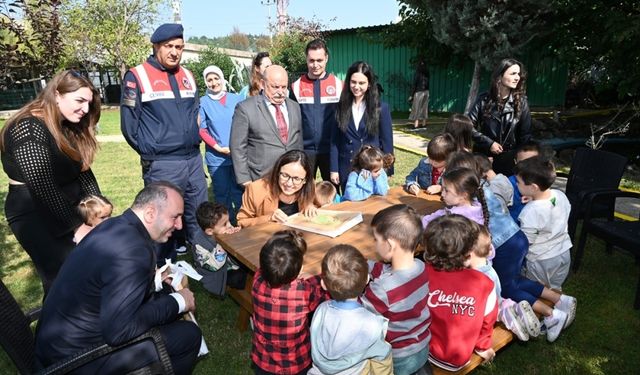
x: 159, y: 113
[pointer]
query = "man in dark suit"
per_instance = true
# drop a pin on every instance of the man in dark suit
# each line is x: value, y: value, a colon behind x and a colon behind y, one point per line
x: 264, y: 127
x: 103, y: 293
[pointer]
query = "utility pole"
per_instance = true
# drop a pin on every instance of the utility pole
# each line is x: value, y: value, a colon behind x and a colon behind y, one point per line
x: 177, y: 11
x: 281, y: 7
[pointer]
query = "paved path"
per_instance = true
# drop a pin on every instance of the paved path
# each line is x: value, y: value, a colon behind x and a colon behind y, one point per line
x: 418, y: 145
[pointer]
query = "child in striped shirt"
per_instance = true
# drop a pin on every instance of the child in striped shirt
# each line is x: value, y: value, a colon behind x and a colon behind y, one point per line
x: 398, y: 288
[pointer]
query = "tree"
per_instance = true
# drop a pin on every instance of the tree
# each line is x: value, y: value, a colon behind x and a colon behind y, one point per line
x: 263, y: 43
x: 600, y: 41
x: 29, y: 38
x: 486, y: 31
x: 113, y: 33
x: 239, y: 40
x: 211, y: 56
x: 287, y: 48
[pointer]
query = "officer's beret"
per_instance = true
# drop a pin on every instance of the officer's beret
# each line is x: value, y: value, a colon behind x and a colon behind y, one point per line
x: 167, y: 31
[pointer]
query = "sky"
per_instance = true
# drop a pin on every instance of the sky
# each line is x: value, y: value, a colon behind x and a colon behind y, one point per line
x: 218, y: 17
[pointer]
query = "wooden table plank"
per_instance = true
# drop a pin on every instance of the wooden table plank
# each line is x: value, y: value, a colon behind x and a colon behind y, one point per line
x: 245, y: 245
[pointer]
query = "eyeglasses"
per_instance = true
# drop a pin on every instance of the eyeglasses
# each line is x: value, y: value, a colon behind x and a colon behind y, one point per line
x: 296, y: 180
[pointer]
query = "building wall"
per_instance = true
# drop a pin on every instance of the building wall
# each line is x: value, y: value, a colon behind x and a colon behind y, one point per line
x: 449, y: 86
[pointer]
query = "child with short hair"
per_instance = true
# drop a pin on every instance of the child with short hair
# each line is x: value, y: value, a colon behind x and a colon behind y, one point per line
x: 518, y: 318
x: 426, y: 175
x: 525, y: 151
x: 461, y: 129
x: 282, y: 302
x: 94, y: 209
x: 398, y: 288
x: 462, y: 194
x: 346, y: 337
x: 545, y: 222
x: 511, y: 246
x: 212, y: 262
x: 213, y: 219
x: 368, y: 176
x: 326, y: 194
x: 498, y: 183
x: 462, y: 301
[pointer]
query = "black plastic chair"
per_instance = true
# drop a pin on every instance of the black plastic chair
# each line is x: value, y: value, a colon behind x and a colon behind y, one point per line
x: 18, y: 342
x: 619, y: 233
x: 592, y: 171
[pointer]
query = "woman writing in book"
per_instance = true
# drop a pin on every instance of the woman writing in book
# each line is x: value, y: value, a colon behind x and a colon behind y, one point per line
x: 287, y: 189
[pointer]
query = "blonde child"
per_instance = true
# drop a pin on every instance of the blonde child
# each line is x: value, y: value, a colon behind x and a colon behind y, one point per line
x: 460, y: 127
x: 463, y: 195
x: 544, y: 220
x: 518, y: 318
x: 326, y: 194
x: 398, y: 288
x: 462, y: 301
x: 93, y: 209
x: 426, y: 175
x: 368, y: 176
x: 282, y: 303
x: 346, y: 337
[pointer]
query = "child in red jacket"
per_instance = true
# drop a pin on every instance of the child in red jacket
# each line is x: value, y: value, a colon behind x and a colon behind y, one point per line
x: 462, y: 301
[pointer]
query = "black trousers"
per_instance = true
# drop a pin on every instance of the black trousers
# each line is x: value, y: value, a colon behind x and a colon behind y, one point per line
x: 181, y: 338
x: 28, y: 223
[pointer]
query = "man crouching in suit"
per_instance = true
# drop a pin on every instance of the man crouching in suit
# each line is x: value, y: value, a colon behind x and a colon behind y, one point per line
x: 104, y: 292
x: 264, y: 127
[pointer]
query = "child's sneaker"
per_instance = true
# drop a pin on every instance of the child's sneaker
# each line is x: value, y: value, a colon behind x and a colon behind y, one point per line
x: 513, y: 322
x: 555, y: 323
x: 567, y: 304
x: 525, y: 312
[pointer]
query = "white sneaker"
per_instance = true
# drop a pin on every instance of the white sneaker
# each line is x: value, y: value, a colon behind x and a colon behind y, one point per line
x: 513, y: 322
x: 525, y: 312
x: 567, y: 304
x: 182, y: 250
x: 555, y: 323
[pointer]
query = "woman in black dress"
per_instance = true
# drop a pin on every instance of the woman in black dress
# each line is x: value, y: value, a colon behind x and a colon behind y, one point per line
x: 501, y: 117
x: 47, y: 148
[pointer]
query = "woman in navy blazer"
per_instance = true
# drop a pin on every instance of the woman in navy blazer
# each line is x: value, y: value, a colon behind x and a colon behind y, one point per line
x: 359, y: 104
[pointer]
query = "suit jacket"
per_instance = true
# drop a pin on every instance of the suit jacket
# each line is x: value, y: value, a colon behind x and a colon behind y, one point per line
x: 345, y: 145
x: 103, y: 293
x: 255, y: 140
x: 257, y: 204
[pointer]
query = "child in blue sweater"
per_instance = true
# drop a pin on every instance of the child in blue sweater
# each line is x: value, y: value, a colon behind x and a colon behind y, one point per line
x: 426, y: 175
x: 368, y: 176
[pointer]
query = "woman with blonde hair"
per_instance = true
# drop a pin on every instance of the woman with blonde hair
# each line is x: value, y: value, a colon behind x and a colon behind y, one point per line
x: 47, y: 148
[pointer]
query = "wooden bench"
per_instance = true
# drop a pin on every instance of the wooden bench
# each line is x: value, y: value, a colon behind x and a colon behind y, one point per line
x: 500, y: 338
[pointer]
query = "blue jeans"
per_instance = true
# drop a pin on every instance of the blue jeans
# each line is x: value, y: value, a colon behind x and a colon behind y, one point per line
x: 410, y: 364
x: 508, y: 265
x: 188, y: 175
x: 226, y: 190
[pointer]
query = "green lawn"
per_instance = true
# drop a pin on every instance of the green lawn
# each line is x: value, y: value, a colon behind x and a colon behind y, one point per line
x: 602, y: 340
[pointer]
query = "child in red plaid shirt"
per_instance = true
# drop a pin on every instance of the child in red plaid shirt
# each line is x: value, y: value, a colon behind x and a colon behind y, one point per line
x: 282, y: 302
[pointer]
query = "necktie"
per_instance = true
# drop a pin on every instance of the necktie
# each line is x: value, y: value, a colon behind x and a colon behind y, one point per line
x: 282, y: 124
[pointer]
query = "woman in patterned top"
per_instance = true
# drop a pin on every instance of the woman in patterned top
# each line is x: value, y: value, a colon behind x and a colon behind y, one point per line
x: 47, y: 148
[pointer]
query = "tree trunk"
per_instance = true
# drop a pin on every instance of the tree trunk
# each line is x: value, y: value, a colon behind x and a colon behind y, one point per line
x: 123, y: 69
x: 473, y: 90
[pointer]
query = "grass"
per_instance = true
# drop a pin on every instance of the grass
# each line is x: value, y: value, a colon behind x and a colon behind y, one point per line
x: 602, y: 340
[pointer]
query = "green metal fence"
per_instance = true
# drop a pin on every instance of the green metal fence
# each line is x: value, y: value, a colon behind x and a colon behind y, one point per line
x: 449, y: 86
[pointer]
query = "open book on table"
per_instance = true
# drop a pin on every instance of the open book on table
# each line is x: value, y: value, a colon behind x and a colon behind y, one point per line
x: 326, y: 222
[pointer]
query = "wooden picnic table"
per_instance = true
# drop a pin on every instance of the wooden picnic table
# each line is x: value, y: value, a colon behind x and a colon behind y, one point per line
x: 245, y: 246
